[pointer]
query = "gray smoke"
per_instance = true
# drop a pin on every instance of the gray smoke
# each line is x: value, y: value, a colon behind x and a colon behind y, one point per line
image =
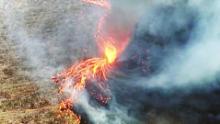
x: 173, y: 54
x: 193, y: 61
x: 50, y: 34
x: 53, y: 34
x: 178, y: 42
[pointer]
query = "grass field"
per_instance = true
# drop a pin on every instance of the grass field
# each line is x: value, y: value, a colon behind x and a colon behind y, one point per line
x: 21, y: 100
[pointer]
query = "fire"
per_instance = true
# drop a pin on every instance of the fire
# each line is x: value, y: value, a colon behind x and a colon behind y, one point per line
x: 76, y: 77
x: 80, y: 73
x: 65, y: 111
x: 110, y: 53
x: 88, y: 69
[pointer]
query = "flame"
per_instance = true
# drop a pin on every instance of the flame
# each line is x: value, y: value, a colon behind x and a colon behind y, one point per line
x: 76, y: 77
x: 110, y: 53
x: 88, y: 69
x: 65, y: 111
x: 79, y: 74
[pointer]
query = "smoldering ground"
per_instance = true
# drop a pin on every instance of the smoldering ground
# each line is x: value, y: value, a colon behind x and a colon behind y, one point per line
x: 169, y: 72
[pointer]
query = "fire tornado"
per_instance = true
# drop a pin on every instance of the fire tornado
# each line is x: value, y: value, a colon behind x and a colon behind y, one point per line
x: 79, y: 74
x: 139, y: 61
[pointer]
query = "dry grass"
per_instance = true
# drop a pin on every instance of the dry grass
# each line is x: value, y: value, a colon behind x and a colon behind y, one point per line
x: 45, y: 115
x: 21, y: 100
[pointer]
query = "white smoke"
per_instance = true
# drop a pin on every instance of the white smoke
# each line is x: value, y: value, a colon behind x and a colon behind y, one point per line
x: 50, y: 35
x: 198, y: 63
x: 115, y: 114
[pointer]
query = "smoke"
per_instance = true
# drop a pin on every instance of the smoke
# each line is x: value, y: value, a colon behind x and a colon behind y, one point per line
x: 188, y: 44
x: 171, y: 58
x: 50, y: 34
x: 178, y: 43
x: 114, y: 114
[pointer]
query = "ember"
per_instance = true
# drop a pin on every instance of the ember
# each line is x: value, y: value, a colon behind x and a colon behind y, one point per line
x: 78, y: 75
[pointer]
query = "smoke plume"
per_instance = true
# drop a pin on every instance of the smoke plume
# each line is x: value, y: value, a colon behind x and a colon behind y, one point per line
x: 168, y: 74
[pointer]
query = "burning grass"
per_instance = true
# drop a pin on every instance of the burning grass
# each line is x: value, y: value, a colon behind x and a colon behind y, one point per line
x: 74, y: 80
x: 19, y: 95
x: 76, y: 77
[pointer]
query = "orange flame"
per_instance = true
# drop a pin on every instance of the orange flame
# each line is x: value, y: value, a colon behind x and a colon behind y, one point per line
x: 76, y: 77
x: 65, y: 111
x: 80, y: 73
